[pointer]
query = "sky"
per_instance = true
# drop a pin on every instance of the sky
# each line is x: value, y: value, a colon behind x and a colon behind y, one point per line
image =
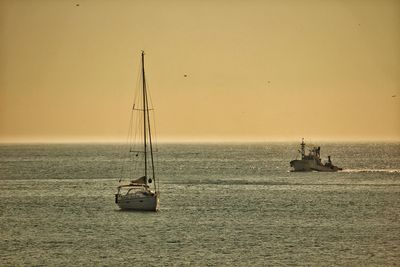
x: 217, y: 70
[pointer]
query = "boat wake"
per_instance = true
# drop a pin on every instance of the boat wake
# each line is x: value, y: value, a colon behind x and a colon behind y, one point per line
x: 224, y: 182
x: 372, y: 170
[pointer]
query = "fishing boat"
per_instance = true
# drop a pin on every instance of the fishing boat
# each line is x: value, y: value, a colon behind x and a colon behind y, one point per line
x: 312, y: 161
x: 141, y: 191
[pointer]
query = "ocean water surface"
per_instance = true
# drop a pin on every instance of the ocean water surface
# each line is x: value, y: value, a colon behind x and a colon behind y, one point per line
x: 221, y: 205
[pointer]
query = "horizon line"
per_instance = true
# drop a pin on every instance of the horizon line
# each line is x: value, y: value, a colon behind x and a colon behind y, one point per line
x: 195, y: 140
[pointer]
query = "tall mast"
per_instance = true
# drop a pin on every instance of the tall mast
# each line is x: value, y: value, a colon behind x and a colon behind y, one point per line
x: 144, y: 118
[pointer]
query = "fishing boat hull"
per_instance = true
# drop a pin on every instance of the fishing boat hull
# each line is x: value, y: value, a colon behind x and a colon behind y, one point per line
x: 137, y: 202
x: 312, y: 165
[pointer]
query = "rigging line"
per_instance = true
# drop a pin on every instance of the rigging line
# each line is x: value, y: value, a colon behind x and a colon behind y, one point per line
x: 152, y: 108
x: 132, y: 143
x: 156, y: 182
x: 136, y: 92
x: 128, y: 160
x: 154, y: 158
x: 151, y: 145
x: 156, y: 155
x: 144, y: 117
x: 137, y: 116
x: 131, y: 121
x: 156, y: 146
x: 138, y: 139
x: 137, y: 86
x: 155, y: 131
x: 122, y: 163
x: 146, y: 108
x: 154, y: 120
x: 122, y: 172
x: 134, y: 138
x: 130, y: 135
x: 138, y: 119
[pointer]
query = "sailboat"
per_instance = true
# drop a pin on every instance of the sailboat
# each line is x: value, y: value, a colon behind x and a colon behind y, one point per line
x: 138, y: 194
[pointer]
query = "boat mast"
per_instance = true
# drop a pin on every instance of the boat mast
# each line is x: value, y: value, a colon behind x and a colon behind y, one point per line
x: 144, y: 118
x: 303, y: 151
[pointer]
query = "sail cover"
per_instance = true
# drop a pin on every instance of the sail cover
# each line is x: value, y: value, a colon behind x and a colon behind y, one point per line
x: 141, y: 180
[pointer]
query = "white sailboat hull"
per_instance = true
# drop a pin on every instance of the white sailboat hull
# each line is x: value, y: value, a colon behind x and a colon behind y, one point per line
x: 137, y: 202
x: 137, y: 195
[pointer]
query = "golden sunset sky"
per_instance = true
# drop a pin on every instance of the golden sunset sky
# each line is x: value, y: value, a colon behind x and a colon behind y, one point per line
x: 256, y: 70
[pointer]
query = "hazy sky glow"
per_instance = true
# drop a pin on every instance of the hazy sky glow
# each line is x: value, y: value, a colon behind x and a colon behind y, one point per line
x: 256, y: 70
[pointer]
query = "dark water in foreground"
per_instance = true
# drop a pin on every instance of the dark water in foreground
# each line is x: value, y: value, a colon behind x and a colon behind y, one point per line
x: 221, y: 205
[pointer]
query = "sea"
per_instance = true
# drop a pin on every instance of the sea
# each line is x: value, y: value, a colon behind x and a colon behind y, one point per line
x: 221, y: 204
